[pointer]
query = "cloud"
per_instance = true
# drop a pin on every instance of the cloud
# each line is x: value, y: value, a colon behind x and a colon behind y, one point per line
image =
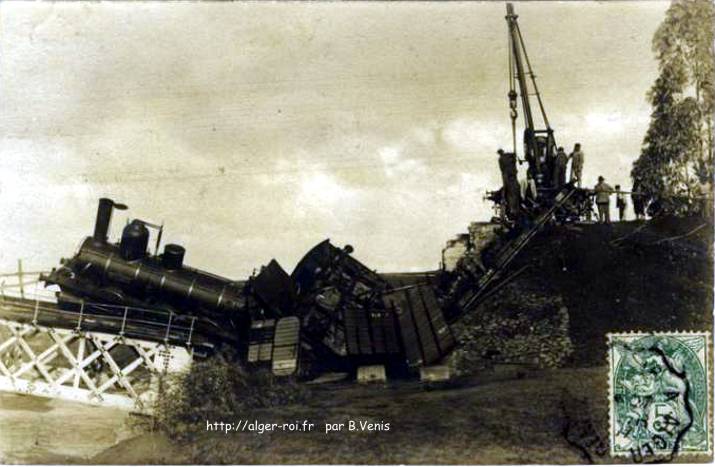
x: 389, y: 155
x: 605, y: 122
x: 275, y: 125
x: 471, y: 135
x: 323, y: 193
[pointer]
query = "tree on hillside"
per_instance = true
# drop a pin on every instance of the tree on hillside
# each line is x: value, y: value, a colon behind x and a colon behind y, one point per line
x: 676, y: 161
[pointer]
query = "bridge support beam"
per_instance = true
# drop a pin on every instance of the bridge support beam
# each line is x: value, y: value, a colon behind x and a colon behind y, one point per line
x: 88, y: 367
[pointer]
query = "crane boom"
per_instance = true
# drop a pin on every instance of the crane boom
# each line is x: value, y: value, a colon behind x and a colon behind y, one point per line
x: 517, y: 69
x: 539, y: 143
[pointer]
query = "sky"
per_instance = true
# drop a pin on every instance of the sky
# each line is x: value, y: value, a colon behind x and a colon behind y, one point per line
x: 256, y: 130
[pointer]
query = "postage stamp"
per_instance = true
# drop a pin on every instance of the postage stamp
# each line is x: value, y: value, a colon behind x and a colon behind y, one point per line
x: 659, y: 386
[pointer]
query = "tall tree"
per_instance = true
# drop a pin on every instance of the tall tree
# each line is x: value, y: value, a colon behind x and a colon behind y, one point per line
x: 676, y: 159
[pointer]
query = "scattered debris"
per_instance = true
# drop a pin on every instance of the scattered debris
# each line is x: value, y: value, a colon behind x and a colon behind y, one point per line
x: 435, y: 373
x: 327, y: 378
x: 371, y: 374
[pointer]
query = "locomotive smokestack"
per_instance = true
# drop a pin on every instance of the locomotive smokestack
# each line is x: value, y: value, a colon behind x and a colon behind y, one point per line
x: 104, y: 216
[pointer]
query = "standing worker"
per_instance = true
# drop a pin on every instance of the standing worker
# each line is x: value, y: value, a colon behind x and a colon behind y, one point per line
x: 620, y: 203
x: 638, y: 200
x: 560, y: 162
x: 507, y: 165
x: 603, y: 199
x: 576, y: 164
x: 528, y: 191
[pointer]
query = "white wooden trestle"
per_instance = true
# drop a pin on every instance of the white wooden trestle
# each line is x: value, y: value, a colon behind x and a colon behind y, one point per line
x: 89, y: 367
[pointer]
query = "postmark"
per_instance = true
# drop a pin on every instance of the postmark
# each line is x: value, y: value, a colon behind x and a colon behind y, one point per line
x: 659, y: 386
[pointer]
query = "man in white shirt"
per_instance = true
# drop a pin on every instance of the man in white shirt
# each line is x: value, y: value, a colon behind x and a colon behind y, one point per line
x: 576, y: 164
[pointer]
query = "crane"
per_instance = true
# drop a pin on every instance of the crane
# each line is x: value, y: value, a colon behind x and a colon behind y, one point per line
x: 539, y: 143
x: 563, y: 204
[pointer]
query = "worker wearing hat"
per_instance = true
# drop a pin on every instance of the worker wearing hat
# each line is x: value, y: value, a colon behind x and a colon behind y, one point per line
x: 603, y: 198
x: 576, y: 164
x: 621, y: 203
x: 560, y: 162
x: 507, y: 166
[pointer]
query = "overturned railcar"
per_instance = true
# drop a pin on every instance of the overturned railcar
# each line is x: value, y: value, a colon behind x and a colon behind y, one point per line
x: 367, y: 317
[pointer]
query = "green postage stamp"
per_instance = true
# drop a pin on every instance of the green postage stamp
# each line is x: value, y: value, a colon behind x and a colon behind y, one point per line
x: 659, y: 386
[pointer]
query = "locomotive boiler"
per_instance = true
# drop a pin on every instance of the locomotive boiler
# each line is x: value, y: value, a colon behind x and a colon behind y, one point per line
x: 125, y: 274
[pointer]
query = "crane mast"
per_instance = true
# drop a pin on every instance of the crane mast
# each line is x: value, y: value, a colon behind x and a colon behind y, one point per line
x: 539, y: 143
x: 546, y: 194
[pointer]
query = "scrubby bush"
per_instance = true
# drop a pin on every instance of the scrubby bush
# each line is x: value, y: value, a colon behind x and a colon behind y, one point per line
x: 219, y: 389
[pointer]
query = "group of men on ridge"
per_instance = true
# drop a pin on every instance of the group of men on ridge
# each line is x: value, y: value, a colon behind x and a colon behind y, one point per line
x: 515, y: 190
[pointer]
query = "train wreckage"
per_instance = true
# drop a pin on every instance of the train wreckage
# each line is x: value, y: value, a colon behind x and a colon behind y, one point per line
x: 331, y: 313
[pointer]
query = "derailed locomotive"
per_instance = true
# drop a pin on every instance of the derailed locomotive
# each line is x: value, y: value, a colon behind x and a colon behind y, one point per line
x: 331, y: 313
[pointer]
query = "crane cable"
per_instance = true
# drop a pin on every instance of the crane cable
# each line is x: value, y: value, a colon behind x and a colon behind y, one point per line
x: 533, y: 78
x: 512, y: 94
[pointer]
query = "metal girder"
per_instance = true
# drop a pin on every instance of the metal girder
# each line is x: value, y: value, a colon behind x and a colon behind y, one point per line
x: 88, y: 367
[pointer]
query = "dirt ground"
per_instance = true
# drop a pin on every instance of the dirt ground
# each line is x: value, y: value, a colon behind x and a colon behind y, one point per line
x: 506, y: 415
x: 612, y: 278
